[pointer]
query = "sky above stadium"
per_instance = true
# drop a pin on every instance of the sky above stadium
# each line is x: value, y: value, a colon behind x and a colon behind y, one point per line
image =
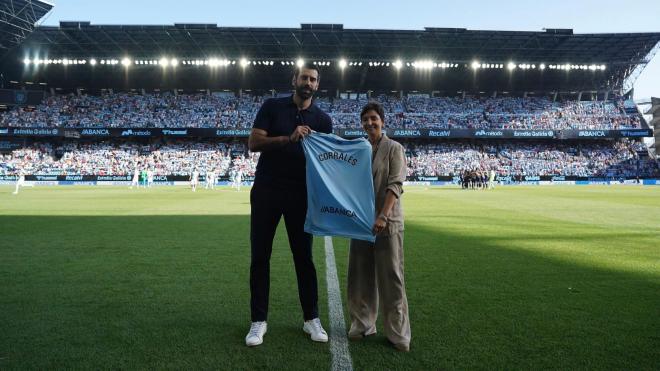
x: 583, y: 16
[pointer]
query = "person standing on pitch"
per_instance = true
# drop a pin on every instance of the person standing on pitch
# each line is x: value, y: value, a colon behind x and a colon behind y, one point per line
x: 143, y: 177
x: 239, y: 178
x: 20, y: 181
x: 194, y: 179
x: 150, y: 178
x: 280, y: 190
x: 210, y: 179
x: 375, y: 270
x: 136, y: 176
x: 491, y: 179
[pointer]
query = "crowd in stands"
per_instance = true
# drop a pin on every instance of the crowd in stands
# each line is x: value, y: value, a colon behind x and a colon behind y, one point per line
x: 181, y: 157
x: 137, y: 111
x: 168, y: 110
x: 122, y: 158
x: 515, y: 159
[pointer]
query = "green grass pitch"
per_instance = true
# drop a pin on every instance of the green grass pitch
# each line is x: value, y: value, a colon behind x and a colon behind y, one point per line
x: 514, y: 278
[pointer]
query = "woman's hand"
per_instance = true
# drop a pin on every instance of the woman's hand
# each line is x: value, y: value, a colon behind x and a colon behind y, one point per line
x: 379, y: 224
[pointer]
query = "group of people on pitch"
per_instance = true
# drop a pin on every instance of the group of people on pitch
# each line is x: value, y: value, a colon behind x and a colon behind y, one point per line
x: 477, y: 179
x: 375, y: 270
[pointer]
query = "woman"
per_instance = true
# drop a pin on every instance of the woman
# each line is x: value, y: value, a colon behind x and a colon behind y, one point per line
x: 375, y: 270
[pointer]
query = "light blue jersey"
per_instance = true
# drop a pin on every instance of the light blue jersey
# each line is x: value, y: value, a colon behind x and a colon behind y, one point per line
x: 340, y: 189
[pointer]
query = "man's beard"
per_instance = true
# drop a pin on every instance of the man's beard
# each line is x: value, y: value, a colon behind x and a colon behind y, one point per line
x: 304, y: 92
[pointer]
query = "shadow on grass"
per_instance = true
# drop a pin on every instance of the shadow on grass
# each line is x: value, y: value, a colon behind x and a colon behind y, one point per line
x: 476, y: 304
x: 144, y: 292
x: 171, y: 292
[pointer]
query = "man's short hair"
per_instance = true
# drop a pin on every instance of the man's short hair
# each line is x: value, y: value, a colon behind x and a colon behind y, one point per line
x: 307, y: 66
x: 373, y: 106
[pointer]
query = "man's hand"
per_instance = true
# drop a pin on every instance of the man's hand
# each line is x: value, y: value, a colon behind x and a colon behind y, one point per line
x: 300, y: 132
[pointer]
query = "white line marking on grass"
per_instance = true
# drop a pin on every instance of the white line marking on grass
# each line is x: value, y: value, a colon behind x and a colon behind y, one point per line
x: 341, y: 357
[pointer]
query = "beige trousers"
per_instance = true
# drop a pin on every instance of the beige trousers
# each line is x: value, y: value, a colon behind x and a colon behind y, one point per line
x: 375, y: 278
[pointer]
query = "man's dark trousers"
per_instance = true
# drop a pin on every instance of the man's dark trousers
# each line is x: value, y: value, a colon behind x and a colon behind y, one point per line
x: 268, y: 204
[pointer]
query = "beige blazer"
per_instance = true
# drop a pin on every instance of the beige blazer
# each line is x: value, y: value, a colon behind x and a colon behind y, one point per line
x: 389, y: 172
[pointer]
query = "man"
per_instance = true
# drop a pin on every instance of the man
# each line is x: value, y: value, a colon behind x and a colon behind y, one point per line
x: 150, y: 178
x: 239, y: 178
x: 194, y: 179
x: 136, y: 176
x: 280, y: 190
x: 143, y: 178
x: 20, y: 181
x: 491, y: 179
x: 210, y: 179
x: 232, y: 176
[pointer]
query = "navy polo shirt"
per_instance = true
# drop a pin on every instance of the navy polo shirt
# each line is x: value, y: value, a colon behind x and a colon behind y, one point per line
x: 279, y: 117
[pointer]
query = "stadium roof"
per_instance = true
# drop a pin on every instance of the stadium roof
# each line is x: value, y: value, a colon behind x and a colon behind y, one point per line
x: 80, y: 39
x: 18, y: 19
x: 622, y: 53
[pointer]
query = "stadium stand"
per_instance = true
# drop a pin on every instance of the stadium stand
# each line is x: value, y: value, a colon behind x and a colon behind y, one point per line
x: 447, y: 159
x: 213, y: 111
x: 111, y: 101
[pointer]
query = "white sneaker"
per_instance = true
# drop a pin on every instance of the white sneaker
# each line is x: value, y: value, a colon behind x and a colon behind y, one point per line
x: 316, y: 331
x: 256, y: 334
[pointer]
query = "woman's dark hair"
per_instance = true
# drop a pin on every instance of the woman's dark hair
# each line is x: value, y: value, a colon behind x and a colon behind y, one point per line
x: 374, y: 106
